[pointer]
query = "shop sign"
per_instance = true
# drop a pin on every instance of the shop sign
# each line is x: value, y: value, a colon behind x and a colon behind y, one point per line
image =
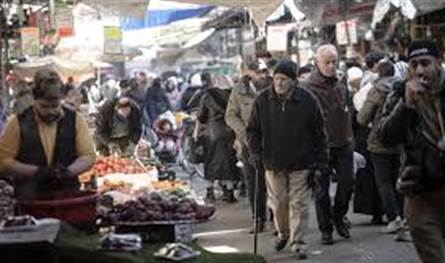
x: 65, y: 22
x: 30, y: 37
x: 112, y: 40
x: 277, y: 38
x: 345, y: 28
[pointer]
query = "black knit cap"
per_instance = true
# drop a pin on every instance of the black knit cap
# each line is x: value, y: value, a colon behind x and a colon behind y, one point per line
x: 286, y: 67
x: 423, y: 48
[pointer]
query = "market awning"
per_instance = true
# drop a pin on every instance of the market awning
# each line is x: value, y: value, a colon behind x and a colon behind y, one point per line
x: 122, y: 8
x: 79, y: 69
x: 408, y: 8
x: 261, y: 9
x: 323, y: 12
x: 281, y: 11
x: 160, y: 17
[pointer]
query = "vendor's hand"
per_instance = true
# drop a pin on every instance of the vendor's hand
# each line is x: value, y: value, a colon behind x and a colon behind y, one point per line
x: 412, y: 90
x: 44, y: 174
x: 114, y: 148
x: 62, y: 172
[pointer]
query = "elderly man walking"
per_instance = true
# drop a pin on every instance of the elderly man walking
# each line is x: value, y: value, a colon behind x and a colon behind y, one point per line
x: 286, y: 134
x: 237, y: 116
x: 331, y: 90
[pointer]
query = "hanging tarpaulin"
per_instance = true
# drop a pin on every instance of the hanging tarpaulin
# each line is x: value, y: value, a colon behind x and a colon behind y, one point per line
x: 323, y: 12
x: 112, y: 40
x: 30, y: 37
x: 346, y: 32
x: 408, y: 8
x: 281, y: 11
x: 159, y: 17
x: 382, y: 7
x: 79, y: 70
x: 261, y: 9
x: 277, y: 37
x: 121, y: 8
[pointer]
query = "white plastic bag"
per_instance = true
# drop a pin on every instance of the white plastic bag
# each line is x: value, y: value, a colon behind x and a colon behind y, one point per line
x: 360, y: 97
x: 359, y: 162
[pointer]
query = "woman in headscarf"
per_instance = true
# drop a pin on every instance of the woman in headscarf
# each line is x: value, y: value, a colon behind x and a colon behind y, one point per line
x: 220, y: 157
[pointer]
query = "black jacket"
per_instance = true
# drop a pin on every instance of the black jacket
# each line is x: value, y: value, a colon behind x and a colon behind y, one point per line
x: 104, y: 122
x: 191, y: 98
x: 288, y: 135
x: 156, y: 101
x: 403, y: 125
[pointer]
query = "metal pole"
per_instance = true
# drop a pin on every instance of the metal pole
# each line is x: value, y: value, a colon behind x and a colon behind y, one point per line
x: 255, y: 213
x: 52, y: 14
x: 345, y: 20
x: 2, y: 30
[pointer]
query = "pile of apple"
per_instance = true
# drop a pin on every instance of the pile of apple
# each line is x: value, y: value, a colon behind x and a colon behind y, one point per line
x: 112, y: 165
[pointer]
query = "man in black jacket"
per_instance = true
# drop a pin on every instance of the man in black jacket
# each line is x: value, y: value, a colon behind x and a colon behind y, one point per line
x: 118, y: 126
x: 417, y: 122
x: 286, y: 133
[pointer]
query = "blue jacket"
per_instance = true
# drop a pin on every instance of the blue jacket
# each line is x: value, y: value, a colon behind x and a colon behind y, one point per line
x: 156, y: 101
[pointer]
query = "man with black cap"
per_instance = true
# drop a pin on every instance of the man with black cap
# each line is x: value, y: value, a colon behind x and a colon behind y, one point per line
x: 417, y: 121
x: 286, y: 134
x: 237, y: 116
x: 330, y: 88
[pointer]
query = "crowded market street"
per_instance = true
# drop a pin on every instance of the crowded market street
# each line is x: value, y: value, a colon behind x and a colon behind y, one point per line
x: 214, y: 131
x: 229, y: 231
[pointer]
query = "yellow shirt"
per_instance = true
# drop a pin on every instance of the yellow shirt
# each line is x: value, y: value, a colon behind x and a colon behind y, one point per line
x: 10, y: 139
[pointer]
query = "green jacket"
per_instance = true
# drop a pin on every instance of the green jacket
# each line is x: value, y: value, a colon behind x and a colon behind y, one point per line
x: 239, y: 109
x: 372, y: 112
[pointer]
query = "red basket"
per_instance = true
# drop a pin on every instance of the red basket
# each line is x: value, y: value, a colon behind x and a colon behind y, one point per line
x: 75, y: 208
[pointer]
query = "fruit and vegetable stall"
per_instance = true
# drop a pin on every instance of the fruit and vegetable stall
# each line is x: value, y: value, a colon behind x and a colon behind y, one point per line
x: 125, y: 211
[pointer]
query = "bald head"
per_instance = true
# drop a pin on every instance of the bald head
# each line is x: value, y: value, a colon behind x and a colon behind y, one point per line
x: 326, y: 59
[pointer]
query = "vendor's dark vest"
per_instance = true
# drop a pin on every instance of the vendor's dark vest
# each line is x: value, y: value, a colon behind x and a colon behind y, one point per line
x: 31, y: 149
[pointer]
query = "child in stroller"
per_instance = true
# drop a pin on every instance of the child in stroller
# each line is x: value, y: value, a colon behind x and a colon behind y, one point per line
x: 168, y: 146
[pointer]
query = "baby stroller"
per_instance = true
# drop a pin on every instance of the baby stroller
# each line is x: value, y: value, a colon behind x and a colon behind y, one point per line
x: 168, y: 145
x: 167, y: 148
x: 173, y: 132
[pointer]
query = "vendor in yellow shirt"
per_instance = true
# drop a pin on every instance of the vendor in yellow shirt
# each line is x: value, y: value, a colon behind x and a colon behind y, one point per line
x: 47, y: 146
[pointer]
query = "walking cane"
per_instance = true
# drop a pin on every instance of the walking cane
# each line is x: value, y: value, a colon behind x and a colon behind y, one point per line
x: 255, y: 213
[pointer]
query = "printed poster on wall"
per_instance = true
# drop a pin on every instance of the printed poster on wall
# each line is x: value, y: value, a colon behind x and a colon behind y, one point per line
x: 112, y: 40
x: 342, y: 29
x: 277, y: 38
x: 65, y: 22
x: 30, y: 37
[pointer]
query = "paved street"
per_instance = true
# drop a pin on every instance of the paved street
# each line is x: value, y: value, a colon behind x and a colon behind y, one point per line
x: 229, y: 230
